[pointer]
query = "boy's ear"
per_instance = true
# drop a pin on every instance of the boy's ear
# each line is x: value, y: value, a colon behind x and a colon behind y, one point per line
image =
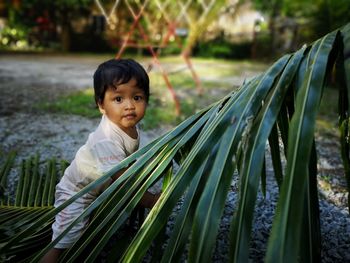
x: 100, y: 107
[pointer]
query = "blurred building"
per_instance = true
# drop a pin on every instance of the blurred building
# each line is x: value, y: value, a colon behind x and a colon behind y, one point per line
x: 239, y: 22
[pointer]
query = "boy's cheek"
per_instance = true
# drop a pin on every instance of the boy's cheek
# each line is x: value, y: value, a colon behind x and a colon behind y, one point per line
x: 145, y: 108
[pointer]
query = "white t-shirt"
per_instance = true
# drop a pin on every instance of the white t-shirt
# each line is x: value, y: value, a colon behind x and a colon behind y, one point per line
x: 105, y: 148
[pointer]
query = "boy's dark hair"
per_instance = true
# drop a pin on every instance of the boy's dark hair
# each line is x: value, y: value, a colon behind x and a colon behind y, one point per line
x: 119, y: 71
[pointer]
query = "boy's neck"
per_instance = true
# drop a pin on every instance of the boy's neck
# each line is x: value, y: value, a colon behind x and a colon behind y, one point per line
x: 132, y: 132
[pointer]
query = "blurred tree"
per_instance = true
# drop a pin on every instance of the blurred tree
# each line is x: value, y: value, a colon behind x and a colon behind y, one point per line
x: 323, y: 15
x: 273, y: 9
x: 66, y: 10
x: 60, y: 13
x: 319, y: 16
x: 200, y: 21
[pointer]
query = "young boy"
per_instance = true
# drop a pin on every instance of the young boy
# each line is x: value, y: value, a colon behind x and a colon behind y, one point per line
x: 121, y: 94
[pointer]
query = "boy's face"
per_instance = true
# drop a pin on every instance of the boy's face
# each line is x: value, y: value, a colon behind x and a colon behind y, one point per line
x: 125, y: 106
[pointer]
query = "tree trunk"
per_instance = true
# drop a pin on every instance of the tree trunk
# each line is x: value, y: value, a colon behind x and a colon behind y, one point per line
x: 65, y: 38
x: 276, y: 6
x: 66, y: 31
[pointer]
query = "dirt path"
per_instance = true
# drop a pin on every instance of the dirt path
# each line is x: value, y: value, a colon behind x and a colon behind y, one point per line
x: 28, y: 79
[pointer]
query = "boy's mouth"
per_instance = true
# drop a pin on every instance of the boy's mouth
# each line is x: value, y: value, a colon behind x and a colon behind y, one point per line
x: 130, y: 116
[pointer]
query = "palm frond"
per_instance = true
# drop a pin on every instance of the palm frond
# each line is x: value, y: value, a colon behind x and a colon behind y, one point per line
x: 34, y: 198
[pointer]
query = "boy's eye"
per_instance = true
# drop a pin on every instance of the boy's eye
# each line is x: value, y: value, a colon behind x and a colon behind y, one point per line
x: 118, y: 99
x: 137, y: 97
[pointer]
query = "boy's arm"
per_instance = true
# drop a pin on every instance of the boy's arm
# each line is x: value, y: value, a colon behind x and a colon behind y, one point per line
x: 148, y: 200
x: 118, y: 174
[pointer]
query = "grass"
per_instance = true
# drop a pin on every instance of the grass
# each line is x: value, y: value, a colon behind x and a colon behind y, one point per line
x: 78, y: 103
x: 160, y: 111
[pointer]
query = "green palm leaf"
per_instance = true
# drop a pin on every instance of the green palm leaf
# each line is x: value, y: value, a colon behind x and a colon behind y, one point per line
x: 253, y: 159
x: 20, y: 214
x: 289, y: 210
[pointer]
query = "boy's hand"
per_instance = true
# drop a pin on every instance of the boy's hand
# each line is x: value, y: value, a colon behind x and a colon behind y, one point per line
x: 117, y: 175
x: 149, y: 200
x: 155, y: 198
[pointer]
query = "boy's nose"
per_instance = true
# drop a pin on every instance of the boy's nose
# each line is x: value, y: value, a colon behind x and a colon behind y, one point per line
x: 129, y: 104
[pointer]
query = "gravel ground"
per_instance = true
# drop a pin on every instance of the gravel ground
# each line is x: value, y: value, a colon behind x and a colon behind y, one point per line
x: 25, y: 80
